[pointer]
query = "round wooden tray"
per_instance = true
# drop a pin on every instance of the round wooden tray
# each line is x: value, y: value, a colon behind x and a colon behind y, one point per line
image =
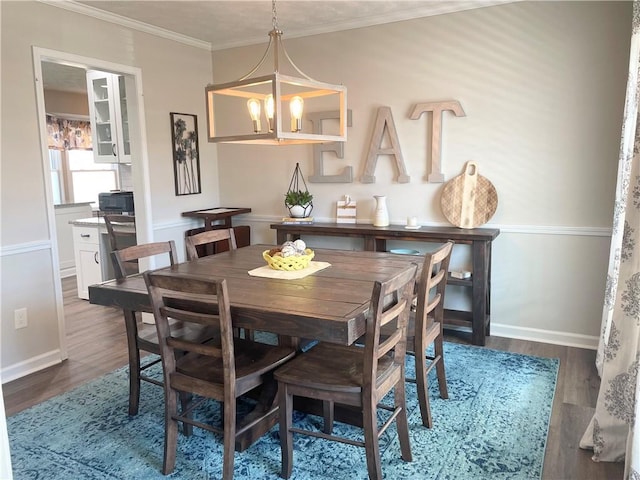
x: 469, y: 200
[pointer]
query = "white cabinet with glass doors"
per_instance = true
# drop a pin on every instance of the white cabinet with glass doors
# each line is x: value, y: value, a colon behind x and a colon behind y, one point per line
x: 109, y: 117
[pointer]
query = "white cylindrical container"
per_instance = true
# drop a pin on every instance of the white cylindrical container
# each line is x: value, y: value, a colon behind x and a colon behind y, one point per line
x: 381, y: 214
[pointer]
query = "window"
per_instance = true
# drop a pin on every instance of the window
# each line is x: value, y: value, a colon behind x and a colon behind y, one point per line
x: 77, y: 178
x: 57, y: 182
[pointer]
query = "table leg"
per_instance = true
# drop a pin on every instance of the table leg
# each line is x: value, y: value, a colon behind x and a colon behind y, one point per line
x: 369, y: 244
x: 479, y: 292
x: 488, y: 283
x: 281, y: 237
x: 372, y: 244
x: 267, y: 402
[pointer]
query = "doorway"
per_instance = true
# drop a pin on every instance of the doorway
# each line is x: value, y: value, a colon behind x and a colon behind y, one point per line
x: 75, y: 67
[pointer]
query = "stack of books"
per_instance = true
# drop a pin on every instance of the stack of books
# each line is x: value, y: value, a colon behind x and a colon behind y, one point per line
x: 297, y: 220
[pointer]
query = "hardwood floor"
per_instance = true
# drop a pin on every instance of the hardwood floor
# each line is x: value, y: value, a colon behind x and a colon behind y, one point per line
x: 97, y: 345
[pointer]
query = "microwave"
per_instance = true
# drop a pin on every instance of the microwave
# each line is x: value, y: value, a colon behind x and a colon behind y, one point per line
x: 116, y: 202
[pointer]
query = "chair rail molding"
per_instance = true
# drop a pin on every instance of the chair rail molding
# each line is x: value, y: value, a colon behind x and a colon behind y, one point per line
x: 580, y: 231
x: 27, y: 247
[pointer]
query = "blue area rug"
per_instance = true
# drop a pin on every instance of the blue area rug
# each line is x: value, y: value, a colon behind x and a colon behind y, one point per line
x: 493, y: 426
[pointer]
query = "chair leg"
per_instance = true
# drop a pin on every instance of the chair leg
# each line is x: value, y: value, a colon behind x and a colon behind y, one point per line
x: 422, y: 386
x: 134, y: 361
x: 170, y: 433
x: 327, y: 410
x: 285, y: 402
x: 185, y: 399
x: 402, y: 424
x: 248, y: 334
x: 134, y: 383
x: 371, y: 444
x: 442, y: 377
x: 229, y: 438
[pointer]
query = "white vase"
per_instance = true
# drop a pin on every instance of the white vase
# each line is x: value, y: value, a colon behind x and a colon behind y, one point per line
x: 381, y: 214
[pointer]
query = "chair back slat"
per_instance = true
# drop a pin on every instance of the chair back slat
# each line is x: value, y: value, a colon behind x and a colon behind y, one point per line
x: 207, y: 237
x: 137, y: 252
x: 188, y: 316
x: 433, y: 303
x: 389, y: 343
x: 438, y: 277
x: 392, y: 312
x: 209, y: 350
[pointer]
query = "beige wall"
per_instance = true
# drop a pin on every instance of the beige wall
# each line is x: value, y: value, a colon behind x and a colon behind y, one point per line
x: 542, y: 85
x: 173, y: 80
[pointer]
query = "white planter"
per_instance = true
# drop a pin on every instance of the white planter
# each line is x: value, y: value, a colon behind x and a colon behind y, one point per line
x: 298, y: 211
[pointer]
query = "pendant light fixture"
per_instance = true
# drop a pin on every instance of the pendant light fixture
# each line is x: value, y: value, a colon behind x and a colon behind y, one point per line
x: 235, y: 109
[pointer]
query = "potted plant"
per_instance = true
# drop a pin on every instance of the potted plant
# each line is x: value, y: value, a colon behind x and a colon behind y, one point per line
x: 299, y: 203
x: 298, y: 200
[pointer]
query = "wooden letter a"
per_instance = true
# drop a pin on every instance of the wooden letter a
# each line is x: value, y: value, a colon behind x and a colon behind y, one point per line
x: 384, y: 119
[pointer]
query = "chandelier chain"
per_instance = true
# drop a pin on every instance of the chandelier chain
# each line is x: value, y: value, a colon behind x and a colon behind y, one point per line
x: 274, y: 15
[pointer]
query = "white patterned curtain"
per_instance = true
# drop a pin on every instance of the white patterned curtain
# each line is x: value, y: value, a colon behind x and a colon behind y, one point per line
x: 68, y: 134
x: 613, y: 433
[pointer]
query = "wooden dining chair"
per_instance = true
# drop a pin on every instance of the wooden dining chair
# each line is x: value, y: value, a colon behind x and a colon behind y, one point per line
x: 222, y: 369
x: 143, y: 337
x: 356, y: 376
x: 198, y: 244
x: 426, y: 327
x: 121, y: 230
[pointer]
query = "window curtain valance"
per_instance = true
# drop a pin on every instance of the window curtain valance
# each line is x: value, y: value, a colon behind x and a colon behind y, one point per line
x: 67, y: 134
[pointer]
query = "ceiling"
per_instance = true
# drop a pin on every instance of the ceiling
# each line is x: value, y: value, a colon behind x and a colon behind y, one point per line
x: 226, y: 24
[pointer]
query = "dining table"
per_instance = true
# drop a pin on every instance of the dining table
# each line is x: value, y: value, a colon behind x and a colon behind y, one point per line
x: 328, y: 304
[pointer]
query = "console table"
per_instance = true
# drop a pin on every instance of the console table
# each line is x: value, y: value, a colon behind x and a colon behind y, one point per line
x: 211, y: 215
x: 375, y: 239
x: 219, y: 217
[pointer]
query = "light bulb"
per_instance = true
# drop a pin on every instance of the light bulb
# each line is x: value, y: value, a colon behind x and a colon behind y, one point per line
x: 296, y: 105
x: 254, y: 110
x: 269, y: 108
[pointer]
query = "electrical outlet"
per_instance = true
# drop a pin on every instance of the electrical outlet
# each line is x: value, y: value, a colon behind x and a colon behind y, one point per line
x: 20, y: 318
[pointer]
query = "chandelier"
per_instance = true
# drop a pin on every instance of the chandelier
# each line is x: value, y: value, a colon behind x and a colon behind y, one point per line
x: 235, y: 109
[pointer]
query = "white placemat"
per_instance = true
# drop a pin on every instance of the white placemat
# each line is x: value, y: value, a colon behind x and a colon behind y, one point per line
x: 267, y: 271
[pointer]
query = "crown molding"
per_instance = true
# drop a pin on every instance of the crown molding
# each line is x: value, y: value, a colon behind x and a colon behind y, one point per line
x: 127, y: 22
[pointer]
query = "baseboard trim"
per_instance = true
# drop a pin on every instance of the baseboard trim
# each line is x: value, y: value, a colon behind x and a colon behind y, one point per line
x: 32, y: 365
x: 67, y: 272
x: 566, y: 339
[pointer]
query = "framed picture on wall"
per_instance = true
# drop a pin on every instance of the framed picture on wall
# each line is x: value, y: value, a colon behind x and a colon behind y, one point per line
x: 186, y: 156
